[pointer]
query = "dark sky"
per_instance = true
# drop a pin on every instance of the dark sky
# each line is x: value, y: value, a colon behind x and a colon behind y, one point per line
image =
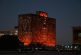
x: 66, y: 12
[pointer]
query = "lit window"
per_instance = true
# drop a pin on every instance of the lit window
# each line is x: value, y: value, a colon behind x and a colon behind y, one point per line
x: 16, y: 31
x: 44, y: 23
x: 71, y: 46
x: 75, y: 47
x: 68, y: 46
x: 44, y: 28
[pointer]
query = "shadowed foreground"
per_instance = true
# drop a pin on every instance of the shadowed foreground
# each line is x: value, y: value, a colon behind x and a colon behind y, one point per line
x: 38, y: 53
x: 10, y: 45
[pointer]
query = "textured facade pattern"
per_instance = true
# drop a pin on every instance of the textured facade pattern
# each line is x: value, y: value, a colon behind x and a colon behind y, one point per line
x: 37, y: 29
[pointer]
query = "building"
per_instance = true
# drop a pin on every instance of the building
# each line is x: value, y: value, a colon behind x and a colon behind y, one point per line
x: 37, y: 28
x: 12, y: 31
x: 77, y: 35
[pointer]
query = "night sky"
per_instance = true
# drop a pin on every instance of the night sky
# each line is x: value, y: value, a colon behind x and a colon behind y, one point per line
x: 66, y: 12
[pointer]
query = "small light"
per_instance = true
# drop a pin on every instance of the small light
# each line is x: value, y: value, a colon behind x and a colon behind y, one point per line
x: 68, y: 46
x: 71, y: 46
x: 65, y: 46
x: 16, y: 31
x: 36, y: 48
x: 44, y: 23
x: 2, y: 34
x: 75, y: 47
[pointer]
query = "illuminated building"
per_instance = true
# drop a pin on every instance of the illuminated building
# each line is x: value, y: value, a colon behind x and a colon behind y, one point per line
x: 77, y: 35
x: 9, y: 32
x: 37, y: 28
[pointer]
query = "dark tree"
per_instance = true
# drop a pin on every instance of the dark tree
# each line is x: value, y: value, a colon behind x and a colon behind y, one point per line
x: 9, y: 42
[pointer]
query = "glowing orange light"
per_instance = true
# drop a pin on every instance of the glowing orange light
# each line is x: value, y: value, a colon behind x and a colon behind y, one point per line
x: 48, y: 40
x: 26, y: 39
x: 43, y: 14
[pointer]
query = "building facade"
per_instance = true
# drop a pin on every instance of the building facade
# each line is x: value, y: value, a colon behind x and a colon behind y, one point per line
x: 37, y: 28
x: 77, y: 34
x: 9, y: 32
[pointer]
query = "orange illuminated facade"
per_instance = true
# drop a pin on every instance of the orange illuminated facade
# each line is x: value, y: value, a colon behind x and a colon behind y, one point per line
x: 37, y: 28
x: 44, y: 14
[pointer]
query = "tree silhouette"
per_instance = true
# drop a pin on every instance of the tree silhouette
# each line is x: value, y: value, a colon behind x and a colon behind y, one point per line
x: 9, y: 42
